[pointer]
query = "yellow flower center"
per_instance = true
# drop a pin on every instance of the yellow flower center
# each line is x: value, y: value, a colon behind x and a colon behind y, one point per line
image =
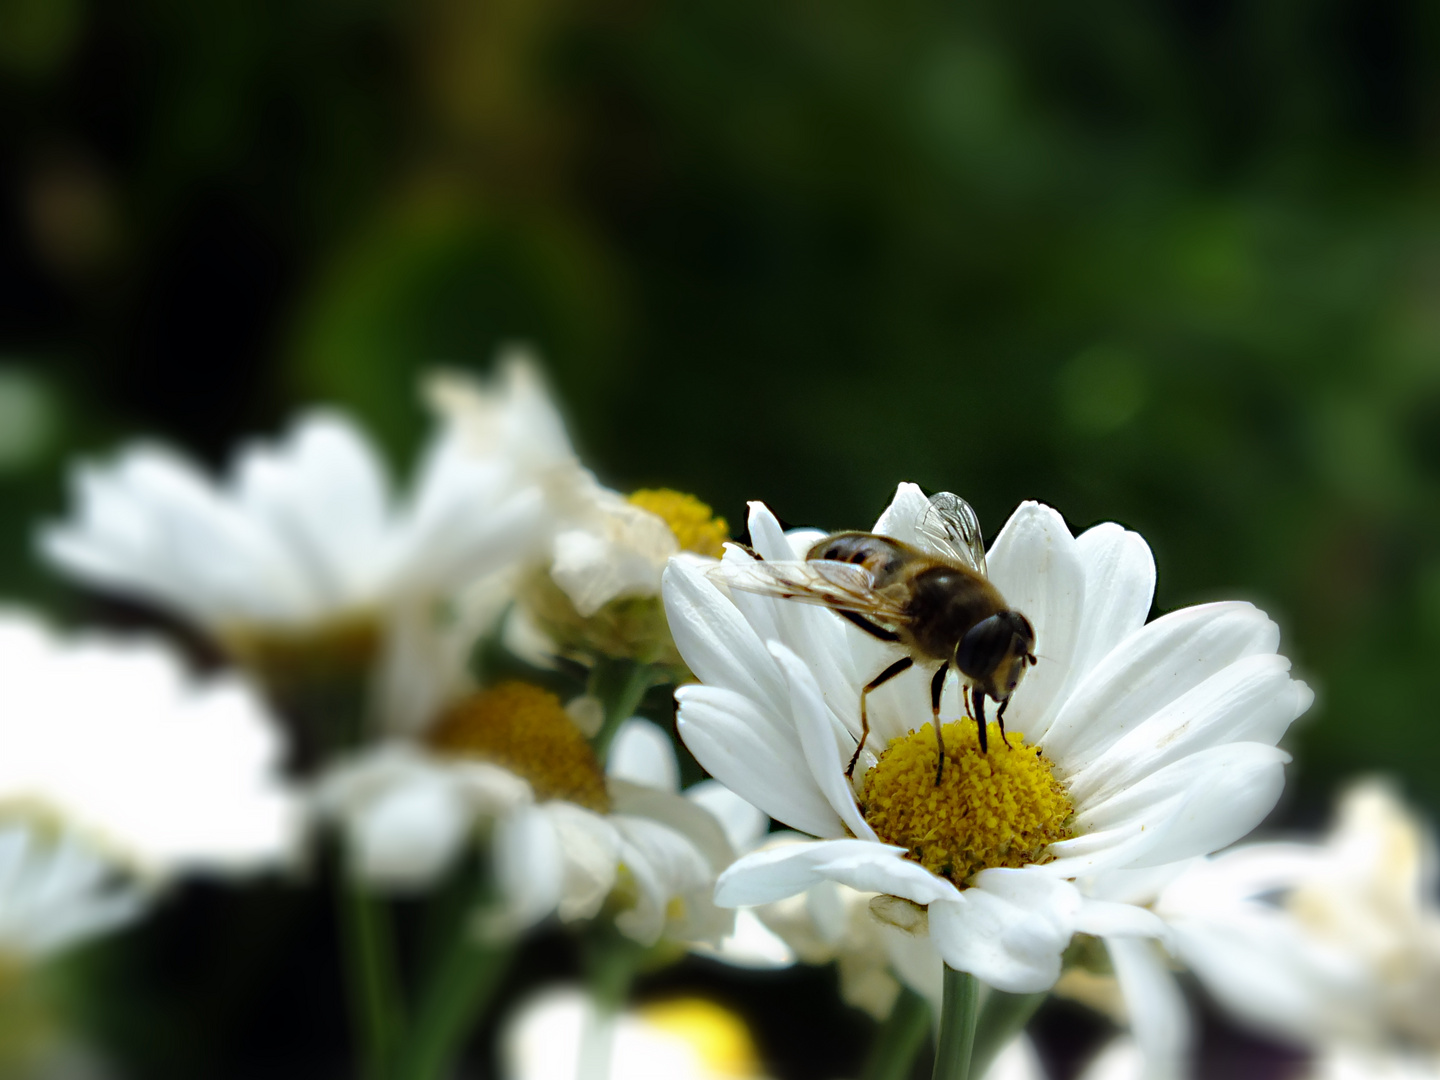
x: 694, y: 524
x: 1002, y: 808
x: 720, y: 1038
x: 525, y: 729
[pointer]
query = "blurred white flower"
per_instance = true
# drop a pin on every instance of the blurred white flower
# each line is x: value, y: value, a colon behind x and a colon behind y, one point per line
x: 566, y: 837
x: 113, y: 742
x: 598, y: 571
x: 56, y: 891
x: 1332, y: 945
x: 550, y: 1036
x: 306, y: 535
x: 1158, y: 743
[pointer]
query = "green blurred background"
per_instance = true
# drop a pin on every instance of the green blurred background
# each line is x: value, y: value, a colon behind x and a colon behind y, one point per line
x: 1175, y: 265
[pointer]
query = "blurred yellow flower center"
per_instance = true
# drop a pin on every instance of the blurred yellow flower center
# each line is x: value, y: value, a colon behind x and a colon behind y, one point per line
x: 525, y: 729
x: 694, y: 524
x: 720, y: 1038
x: 1002, y: 808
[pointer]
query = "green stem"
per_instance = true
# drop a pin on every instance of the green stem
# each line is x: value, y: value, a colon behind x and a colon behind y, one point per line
x: 620, y: 685
x: 892, y: 1053
x: 957, y: 1026
x: 370, y: 971
x: 1002, y: 1016
x: 455, y: 995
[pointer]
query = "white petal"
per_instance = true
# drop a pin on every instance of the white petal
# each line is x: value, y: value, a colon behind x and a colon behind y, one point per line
x: 717, y: 643
x: 745, y: 824
x: 1009, y: 930
x: 751, y: 944
x: 1150, y: 669
x: 410, y: 836
x: 1196, y: 805
x: 664, y: 866
x: 1119, y: 588
x: 1159, y: 1016
x: 528, y: 869
x: 1035, y: 563
x: 642, y: 754
x: 589, y: 850
x: 769, y: 875
x: 677, y: 813
x: 821, y: 738
x: 902, y: 517
x: 1251, y: 700
x: 735, y: 742
x: 1107, y: 918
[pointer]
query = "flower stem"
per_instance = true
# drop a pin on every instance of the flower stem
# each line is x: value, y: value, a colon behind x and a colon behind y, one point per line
x: 957, y: 1026
x: 892, y: 1053
x: 619, y: 685
x: 611, y: 961
x: 455, y: 995
x: 370, y: 970
x: 1002, y: 1016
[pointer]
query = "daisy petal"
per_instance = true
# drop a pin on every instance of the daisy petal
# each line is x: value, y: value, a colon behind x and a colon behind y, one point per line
x: 1159, y: 1016
x: 773, y: 874
x: 1035, y: 563
x: 716, y: 641
x: 1150, y: 669
x: 1009, y: 930
x: 821, y: 741
x: 1199, y: 804
x: 732, y: 741
x: 1119, y: 588
x: 1252, y: 700
x: 902, y: 517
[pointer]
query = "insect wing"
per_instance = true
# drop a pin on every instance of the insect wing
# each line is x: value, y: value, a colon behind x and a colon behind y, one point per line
x: 950, y: 528
x: 817, y: 581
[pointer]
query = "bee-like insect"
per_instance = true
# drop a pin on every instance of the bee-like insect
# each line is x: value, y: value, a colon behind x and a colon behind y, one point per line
x: 933, y: 599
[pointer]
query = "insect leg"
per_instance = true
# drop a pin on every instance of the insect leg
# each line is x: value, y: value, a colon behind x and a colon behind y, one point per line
x: 978, y: 697
x: 868, y: 626
x: 903, y: 664
x: 937, y: 687
x: 1000, y: 717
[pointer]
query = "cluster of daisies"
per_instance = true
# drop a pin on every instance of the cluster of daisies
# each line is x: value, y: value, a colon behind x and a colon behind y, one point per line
x: 441, y: 683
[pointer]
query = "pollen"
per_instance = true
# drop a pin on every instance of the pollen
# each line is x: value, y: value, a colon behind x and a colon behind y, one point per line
x: 1001, y: 808
x: 694, y: 524
x: 525, y: 729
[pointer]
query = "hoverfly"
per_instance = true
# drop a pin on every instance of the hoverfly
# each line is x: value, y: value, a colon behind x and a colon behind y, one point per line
x: 933, y: 599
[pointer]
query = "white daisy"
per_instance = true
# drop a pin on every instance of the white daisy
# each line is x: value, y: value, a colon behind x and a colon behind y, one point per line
x: 55, y: 892
x: 305, y: 537
x: 1330, y: 945
x: 566, y: 837
x: 597, y: 581
x: 112, y: 742
x: 1156, y: 743
x: 551, y: 1036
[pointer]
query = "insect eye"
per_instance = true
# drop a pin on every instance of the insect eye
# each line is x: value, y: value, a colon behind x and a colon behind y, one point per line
x: 832, y: 552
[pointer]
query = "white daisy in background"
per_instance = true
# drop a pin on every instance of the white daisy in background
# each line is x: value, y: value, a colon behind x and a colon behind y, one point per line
x: 1133, y: 745
x: 550, y: 1035
x: 56, y: 891
x: 511, y: 765
x: 594, y: 592
x: 305, y: 541
x: 1334, y: 946
x: 115, y: 746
